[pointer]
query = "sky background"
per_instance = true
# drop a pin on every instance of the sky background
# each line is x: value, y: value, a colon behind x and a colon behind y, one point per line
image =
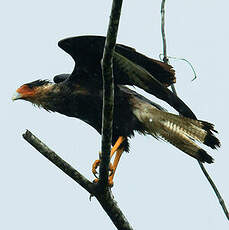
x: 156, y: 186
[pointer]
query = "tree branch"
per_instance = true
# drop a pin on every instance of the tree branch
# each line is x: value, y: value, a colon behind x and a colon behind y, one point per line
x: 165, y: 59
x: 108, y: 91
x: 113, y: 211
x: 58, y: 161
x: 105, y: 198
x: 221, y: 201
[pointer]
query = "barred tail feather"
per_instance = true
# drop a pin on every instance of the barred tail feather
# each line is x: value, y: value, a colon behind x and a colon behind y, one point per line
x: 179, y: 131
x: 181, y: 139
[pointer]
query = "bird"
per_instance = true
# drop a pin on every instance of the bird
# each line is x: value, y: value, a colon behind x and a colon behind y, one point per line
x: 80, y: 95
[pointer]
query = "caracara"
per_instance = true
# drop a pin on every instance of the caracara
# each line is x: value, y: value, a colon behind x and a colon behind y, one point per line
x: 80, y: 95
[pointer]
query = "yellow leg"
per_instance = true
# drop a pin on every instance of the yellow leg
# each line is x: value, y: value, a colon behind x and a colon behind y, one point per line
x: 116, y: 160
x: 115, y: 165
x: 117, y: 144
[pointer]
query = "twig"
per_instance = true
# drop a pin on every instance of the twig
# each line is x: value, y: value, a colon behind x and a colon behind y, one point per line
x: 182, y: 59
x: 105, y: 198
x: 108, y: 92
x: 221, y: 201
x: 165, y: 59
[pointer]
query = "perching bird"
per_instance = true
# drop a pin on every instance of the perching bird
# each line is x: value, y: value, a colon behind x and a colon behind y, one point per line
x: 80, y: 95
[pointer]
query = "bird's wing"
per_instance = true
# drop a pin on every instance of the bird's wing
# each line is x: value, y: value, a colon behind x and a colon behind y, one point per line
x: 140, y: 77
x: 87, y: 52
x: 130, y: 68
x: 61, y: 77
x: 161, y: 71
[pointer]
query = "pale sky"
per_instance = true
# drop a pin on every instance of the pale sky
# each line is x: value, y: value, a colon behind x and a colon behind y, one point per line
x: 156, y: 186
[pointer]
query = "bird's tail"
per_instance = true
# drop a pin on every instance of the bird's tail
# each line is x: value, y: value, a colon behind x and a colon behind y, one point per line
x: 180, y: 131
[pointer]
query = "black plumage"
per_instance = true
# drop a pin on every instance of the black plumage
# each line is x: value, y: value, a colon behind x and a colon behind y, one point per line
x: 129, y: 67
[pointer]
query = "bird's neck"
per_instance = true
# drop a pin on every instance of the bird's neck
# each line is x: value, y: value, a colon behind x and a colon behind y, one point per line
x: 45, y: 96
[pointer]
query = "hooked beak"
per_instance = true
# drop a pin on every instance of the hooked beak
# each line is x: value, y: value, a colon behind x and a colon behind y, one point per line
x: 16, y: 96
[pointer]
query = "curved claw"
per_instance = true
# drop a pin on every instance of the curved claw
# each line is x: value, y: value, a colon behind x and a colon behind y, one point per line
x: 110, y: 181
x: 94, y: 167
x: 96, y: 180
x: 111, y: 170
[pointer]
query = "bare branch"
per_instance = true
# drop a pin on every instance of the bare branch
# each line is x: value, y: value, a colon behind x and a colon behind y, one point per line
x: 58, y: 161
x: 105, y: 198
x: 221, y: 201
x: 113, y: 211
x: 108, y: 91
x: 182, y: 59
x: 165, y: 59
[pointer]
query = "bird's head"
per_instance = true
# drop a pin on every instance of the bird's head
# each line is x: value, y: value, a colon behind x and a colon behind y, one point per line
x: 31, y: 91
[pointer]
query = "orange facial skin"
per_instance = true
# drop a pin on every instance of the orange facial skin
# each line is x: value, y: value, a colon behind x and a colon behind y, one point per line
x: 25, y: 91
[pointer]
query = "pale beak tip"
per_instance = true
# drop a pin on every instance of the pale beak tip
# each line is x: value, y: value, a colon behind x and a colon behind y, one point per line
x: 16, y: 96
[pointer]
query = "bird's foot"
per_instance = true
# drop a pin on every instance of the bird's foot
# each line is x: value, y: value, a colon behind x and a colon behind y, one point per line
x: 95, y: 165
x: 110, y: 181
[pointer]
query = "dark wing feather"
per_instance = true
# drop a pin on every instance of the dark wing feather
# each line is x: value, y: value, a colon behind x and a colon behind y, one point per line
x: 141, y: 78
x: 87, y: 53
x: 161, y: 71
x: 130, y: 68
x: 61, y: 77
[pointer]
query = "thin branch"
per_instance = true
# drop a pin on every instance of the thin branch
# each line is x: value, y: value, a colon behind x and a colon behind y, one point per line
x: 105, y: 198
x: 182, y: 59
x: 221, y: 201
x: 165, y: 59
x: 58, y: 161
x: 108, y: 91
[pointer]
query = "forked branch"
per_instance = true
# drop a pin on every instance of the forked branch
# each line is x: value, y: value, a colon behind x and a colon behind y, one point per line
x: 105, y: 198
